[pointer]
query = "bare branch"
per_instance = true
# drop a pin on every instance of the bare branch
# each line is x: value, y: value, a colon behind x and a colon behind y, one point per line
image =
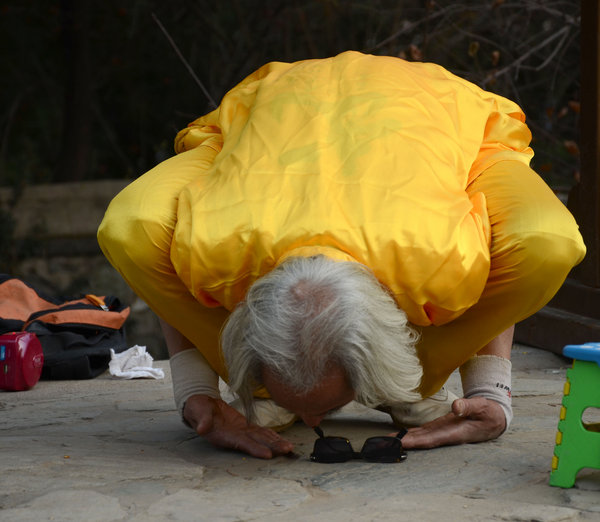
x: 184, y: 61
x: 551, y: 56
x: 407, y: 27
x: 517, y: 63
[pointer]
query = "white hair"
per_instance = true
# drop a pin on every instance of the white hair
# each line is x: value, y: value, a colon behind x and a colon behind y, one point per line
x: 311, y: 312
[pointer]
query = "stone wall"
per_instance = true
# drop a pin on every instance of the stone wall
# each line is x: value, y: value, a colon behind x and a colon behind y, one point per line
x: 49, y: 240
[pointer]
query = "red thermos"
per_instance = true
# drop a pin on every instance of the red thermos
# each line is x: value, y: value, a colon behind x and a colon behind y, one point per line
x: 21, y: 361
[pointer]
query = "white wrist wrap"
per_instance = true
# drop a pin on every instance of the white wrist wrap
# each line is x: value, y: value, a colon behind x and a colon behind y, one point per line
x: 488, y: 376
x: 192, y: 375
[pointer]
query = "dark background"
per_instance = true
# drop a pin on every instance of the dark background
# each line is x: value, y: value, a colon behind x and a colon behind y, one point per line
x: 94, y: 90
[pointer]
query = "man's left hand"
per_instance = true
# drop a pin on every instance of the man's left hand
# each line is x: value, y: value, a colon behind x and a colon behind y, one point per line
x: 471, y: 420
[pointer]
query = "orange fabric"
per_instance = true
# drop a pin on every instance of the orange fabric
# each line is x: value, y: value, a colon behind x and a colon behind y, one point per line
x: 17, y: 301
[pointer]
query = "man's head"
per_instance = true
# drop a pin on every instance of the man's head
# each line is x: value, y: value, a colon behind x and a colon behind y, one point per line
x: 316, y: 328
x: 331, y: 393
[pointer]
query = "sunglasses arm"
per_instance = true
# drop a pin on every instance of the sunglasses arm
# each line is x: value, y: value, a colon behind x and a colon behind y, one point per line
x: 400, y: 434
x: 319, y: 432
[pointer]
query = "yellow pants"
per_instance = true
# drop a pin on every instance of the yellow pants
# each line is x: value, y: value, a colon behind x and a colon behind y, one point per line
x: 535, y: 243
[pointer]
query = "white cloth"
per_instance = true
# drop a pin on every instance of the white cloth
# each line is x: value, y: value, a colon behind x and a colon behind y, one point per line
x: 133, y: 363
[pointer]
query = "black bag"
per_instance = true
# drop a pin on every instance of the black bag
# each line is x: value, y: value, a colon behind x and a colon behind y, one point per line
x: 76, y: 335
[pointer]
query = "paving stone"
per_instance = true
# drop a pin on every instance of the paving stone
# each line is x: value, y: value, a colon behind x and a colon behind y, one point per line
x: 109, y: 449
x: 71, y: 505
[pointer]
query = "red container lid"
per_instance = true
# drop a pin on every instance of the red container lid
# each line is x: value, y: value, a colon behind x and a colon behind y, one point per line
x: 21, y: 361
x: 33, y: 359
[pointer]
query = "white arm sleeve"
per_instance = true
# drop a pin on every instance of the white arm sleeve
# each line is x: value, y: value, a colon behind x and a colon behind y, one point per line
x: 192, y: 375
x: 489, y: 376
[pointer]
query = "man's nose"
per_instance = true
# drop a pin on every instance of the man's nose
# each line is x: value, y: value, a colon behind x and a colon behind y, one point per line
x: 312, y: 420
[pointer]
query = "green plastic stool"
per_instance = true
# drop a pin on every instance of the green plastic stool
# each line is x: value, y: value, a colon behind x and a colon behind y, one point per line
x: 577, y: 443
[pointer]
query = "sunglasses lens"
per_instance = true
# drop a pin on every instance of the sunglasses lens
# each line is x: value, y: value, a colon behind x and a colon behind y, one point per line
x: 332, y: 449
x: 383, y: 449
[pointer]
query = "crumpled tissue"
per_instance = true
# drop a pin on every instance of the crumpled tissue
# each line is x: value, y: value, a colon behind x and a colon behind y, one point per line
x: 133, y: 363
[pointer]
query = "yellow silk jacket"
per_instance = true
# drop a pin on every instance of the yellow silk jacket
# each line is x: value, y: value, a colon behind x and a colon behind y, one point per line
x: 358, y: 157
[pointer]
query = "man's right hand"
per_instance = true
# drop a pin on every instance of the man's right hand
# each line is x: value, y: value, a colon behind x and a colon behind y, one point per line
x: 225, y: 427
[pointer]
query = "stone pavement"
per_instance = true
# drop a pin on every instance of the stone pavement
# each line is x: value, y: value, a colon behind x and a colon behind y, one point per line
x: 107, y: 450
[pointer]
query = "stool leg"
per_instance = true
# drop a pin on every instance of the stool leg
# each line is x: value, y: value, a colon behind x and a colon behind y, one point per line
x: 565, y: 464
x: 577, y: 446
x: 564, y: 471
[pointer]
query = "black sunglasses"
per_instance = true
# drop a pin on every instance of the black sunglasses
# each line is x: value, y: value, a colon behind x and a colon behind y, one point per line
x: 375, y: 449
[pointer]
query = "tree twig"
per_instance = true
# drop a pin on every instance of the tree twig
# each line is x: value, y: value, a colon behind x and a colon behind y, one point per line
x: 551, y: 55
x: 526, y: 55
x: 184, y: 61
x: 408, y: 27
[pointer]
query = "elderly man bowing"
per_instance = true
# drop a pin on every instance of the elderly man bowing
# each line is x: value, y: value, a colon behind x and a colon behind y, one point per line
x: 352, y: 228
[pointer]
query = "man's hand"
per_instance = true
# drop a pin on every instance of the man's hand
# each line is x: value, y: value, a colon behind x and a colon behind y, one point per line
x: 225, y: 427
x: 471, y: 420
